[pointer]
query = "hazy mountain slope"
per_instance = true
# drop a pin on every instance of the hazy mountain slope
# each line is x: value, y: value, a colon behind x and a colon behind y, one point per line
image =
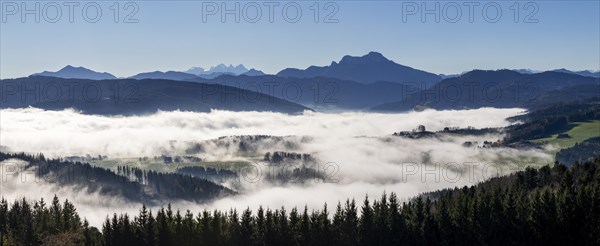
x: 111, y: 97
x: 582, y: 73
x: 570, y: 93
x: 501, y: 88
x: 214, y: 75
x: 319, y: 91
x: 254, y: 72
x: 170, y: 75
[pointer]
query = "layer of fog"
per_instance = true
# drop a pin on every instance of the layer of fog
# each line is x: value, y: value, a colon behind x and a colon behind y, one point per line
x: 63, y: 133
x: 358, y: 147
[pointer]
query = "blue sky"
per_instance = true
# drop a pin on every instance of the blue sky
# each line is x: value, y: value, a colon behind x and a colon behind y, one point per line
x: 171, y: 35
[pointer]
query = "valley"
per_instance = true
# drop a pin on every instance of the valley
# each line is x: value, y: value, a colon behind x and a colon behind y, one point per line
x: 245, y: 141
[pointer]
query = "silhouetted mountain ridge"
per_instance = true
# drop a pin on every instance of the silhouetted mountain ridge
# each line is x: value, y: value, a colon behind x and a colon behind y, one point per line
x: 71, y: 72
x: 369, y: 68
x: 582, y: 73
x: 170, y: 75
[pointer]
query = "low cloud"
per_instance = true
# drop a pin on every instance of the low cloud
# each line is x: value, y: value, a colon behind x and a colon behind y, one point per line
x: 362, y: 156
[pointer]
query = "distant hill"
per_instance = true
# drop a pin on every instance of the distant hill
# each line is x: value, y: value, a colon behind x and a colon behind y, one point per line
x: 586, y: 73
x: 70, y: 72
x: 582, y: 73
x: 447, y: 76
x: 214, y: 75
x: 170, y: 75
x: 501, y: 88
x: 134, y: 97
x: 253, y: 72
x: 223, y: 69
x: 525, y: 71
x: 369, y: 68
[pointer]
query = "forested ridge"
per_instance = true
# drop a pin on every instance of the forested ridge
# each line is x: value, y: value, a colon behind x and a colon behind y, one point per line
x: 584, y: 151
x: 551, y: 120
x: 551, y: 206
x: 136, y: 185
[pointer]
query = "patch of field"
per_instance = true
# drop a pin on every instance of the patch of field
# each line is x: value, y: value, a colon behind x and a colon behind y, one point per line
x: 579, y: 133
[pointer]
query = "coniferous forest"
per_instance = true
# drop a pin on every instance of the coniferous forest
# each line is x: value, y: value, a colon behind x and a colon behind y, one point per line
x: 547, y: 206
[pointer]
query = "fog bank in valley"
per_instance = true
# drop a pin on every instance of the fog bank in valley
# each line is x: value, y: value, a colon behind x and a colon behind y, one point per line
x: 357, y: 147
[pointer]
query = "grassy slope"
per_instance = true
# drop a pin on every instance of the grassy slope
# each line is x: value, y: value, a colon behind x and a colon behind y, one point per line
x: 579, y: 133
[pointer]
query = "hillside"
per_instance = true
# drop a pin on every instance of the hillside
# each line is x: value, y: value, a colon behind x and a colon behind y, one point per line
x: 575, y: 121
x: 129, y: 97
x: 500, y: 89
x: 577, y: 132
x: 319, y: 92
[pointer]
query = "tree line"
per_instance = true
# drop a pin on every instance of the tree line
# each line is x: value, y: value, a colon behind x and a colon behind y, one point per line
x: 552, y: 205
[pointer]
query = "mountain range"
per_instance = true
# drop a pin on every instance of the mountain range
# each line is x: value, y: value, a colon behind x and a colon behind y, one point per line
x: 586, y: 73
x: 372, y: 67
x: 170, y: 75
x: 221, y: 68
x: 198, y: 72
x: 71, y: 72
x: 368, y: 82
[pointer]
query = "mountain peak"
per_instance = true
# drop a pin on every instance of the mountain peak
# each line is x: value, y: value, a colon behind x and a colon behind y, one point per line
x: 374, y: 55
x: 69, y: 68
x: 253, y: 72
x: 368, y: 58
x: 220, y: 66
